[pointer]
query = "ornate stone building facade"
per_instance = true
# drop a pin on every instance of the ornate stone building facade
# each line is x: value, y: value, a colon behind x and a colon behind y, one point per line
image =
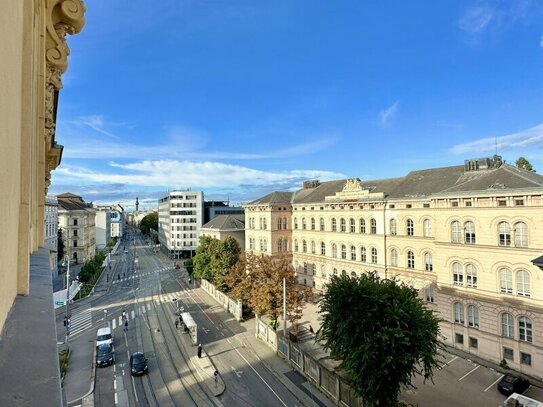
x: 467, y: 237
x: 77, y: 220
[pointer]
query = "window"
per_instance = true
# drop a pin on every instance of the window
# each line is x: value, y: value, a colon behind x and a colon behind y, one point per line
x: 321, y: 221
x: 523, y: 283
x: 521, y: 234
x: 75, y: 243
x: 295, y: 245
x: 303, y: 224
x: 353, y: 253
x: 473, y: 316
x: 323, y: 272
x: 334, y: 250
x: 519, y: 202
x: 285, y: 223
x: 352, y: 224
x: 264, y: 223
x: 393, y: 227
x: 363, y: 257
x: 525, y: 329
x: 373, y: 224
x: 459, y: 338
x: 313, y: 247
x: 467, y: 203
x: 458, y: 276
x: 469, y: 233
x: 251, y: 243
x: 362, y: 226
x: 295, y: 223
x: 427, y: 228
x: 305, y: 267
x: 458, y: 313
x: 428, y: 266
x: 429, y: 293
x: 374, y: 255
x: 456, y: 232
x: 279, y: 223
x: 525, y: 358
x: 312, y: 223
x: 506, y: 281
x: 508, y: 325
x: 410, y: 260
x: 394, y: 258
x: 343, y: 251
x: 353, y: 274
x: 454, y: 204
x: 314, y: 269
x: 471, y: 276
x: 408, y: 206
x: 323, y: 248
x: 504, y: 234
x: 508, y: 353
x: 261, y: 245
x: 304, y: 246
x: 334, y: 225
x: 473, y: 342
x: 280, y: 245
x: 75, y: 222
x: 502, y: 202
x: 343, y: 225
x: 410, y: 228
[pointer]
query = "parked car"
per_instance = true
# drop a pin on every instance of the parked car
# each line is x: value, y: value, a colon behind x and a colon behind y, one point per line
x: 104, y: 355
x: 104, y: 336
x: 138, y: 363
x: 512, y: 384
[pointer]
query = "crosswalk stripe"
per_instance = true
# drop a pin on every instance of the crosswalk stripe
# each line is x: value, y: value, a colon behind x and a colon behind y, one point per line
x: 143, y: 310
x: 149, y: 306
x: 120, y: 320
x: 114, y: 324
x: 133, y: 314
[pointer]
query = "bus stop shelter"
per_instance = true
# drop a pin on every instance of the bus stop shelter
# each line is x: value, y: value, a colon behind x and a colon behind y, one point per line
x: 191, y: 326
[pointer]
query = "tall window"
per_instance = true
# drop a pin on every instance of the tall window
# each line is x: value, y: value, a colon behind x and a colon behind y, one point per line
x: 279, y: 223
x: 521, y: 234
x: 261, y: 223
x: 410, y: 260
x: 334, y: 250
x: 469, y: 230
x: 323, y: 248
x: 295, y: 223
x: 427, y: 228
x: 295, y: 245
x: 352, y: 224
x: 251, y: 243
x: 471, y: 276
x: 508, y: 325
x: 373, y: 224
x: 304, y: 246
x: 393, y: 227
x: 363, y: 257
x: 285, y: 223
x: 303, y: 224
x: 321, y: 222
x: 506, y: 281
x: 473, y: 316
x: 394, y: 258
x: 458, y: 313
x: 504, y: 234
x: 343, y: 251
x: 343, y: 225
x: 280, y: 245
x: 353, y: 253
x: 428, y: 265
x: 312, y: 223
x: 523, y: 283
x: 313, y: 247
x: 525, y: 329
x: 374, y: 255
x: 334, y: 225
x: 458, y: 275
x: 456, y: 232
x: 362, y: 226
x: 410, y: 228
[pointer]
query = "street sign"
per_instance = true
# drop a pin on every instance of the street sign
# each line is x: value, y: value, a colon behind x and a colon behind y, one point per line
x: 60, y: 302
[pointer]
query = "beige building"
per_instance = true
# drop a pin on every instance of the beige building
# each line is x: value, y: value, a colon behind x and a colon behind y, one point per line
x: 223, y: 226
x: 467, y: 237
x: 77, y: 221
x: 50, y: 240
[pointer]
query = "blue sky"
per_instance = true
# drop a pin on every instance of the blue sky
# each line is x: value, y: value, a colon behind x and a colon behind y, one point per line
x: 240, y: 98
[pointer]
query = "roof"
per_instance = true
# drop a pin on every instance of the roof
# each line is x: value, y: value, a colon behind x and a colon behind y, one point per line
x: 226, y: 222
x: 274, y: 198
x: 71, y: 202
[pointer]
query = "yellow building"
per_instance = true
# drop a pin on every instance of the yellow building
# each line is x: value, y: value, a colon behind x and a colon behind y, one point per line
x: 224, y: 226
x: 467, y: 237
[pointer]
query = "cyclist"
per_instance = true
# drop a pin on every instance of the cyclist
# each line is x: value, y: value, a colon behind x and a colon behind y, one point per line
x: 124, y: 314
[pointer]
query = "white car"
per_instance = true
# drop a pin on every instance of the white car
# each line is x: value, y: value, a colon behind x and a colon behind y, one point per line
x: 104, y: 336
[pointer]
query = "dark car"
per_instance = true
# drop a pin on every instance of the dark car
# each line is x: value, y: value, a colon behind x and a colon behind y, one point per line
x: 138, y: 363
x: 104, y: 355
x: 511, y: 384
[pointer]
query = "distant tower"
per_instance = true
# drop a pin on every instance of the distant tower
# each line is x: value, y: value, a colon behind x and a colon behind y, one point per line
x: 137, y: 204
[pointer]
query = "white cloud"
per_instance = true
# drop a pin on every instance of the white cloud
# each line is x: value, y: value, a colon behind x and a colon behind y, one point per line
x: 523, y: 139
x: 96, y: 123
x: 476, y: 19
x: 387, y: 116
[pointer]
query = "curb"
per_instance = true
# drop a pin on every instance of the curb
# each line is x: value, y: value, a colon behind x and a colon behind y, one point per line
x: 93, y: 381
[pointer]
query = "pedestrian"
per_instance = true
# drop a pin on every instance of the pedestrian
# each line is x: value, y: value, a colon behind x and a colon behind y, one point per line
x: 126, y: 325
x: 65, y: 321
x: 176, y: 323
x: 124, y: 314
x: 199, y: 350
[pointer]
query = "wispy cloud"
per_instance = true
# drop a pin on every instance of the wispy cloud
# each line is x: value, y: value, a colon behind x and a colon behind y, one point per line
x: 541, y: 42
x: 476, y: 19
x: 523, y: 139
x: 96, y: 123
x: 388, y: 115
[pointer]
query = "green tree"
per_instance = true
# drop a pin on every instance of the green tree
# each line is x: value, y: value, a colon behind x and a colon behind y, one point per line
x: 202, y: 259
x: 149, y: 222
x: 60, y: 246
x: 383, y: 334
x: 224, y: 254
x: 237, y: 280
x: 524, y: 164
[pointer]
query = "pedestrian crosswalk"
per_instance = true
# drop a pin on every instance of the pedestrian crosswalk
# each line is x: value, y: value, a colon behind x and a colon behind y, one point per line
x: 81, y: 319
x: 136, y: 275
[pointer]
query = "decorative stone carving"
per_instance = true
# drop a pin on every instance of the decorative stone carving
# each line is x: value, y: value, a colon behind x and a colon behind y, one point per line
x: 353, y: 184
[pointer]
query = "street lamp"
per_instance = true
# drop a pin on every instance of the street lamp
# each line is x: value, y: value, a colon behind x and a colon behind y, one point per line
x: 67, y: 263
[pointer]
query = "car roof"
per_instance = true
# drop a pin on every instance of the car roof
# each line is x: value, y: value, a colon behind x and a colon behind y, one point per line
x: 137, y: 354
x: 103, y: 331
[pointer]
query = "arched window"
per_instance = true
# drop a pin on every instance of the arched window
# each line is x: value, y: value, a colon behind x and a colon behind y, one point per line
x: 525, y: 329
x: 523, y: 283
x: 428, y: 265
x: 313, y: 250
x: 251, y: 243
x: 343, y: 225
x: 334, y: 250
x: 285, y: 223
x: 312, y: 223
x: 353, y: 253
x: 373, y: 224
x: 335, y: 272
x: 458, y: 313
x: 410, y: 227
x: 285, y: 245
x: 362, y: 226
x: 261, y: 223
x: 295, y: 245
x: 343, y: 251
x: 504, y: 234
x: 374, y: 255
x: 343, y: 272
x: 469, y: 233
x: 295, y: 223
x: 506, y: 281
x: 473, y: 316
x: 458, y: 275
x: 410, y: 260
x: 363, y: 257
x: 279, y: 223
x: 303, y: 224
x: 261, y: 245
x: 471, y: 276
x: 521, y: 234
x: 321, y: 221
x: 352, y: 224
x: 334, y: 225
x: 323, y: 248
x: 393, y: 227
x: 353, y: 274
x: 394, y: 258
x: 456, y: 232
x: 304, y: 246
x: 280, y: 245
x: 265, y: 224
x: 508, y: 325
x: 427, y: 228
x: 323, y: 271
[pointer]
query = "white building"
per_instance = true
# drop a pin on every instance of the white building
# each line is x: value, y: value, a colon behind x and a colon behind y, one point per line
x: 117, y: 222
x: 180, y: 217
x: 50, y: 240
x: 103, y: 227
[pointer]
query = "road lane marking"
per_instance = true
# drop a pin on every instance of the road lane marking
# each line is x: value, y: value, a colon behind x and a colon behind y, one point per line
x: 133, y: 314
x: 114, y: 324
x: 447, y: 364
x: 499, y: 378
x: 470, y: 372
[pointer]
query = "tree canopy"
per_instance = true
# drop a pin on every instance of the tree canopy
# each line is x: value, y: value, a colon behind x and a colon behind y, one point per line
x: 149, y: 222
x: 214, y: 258
x: 524, y: 164
x: 382, y: 332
